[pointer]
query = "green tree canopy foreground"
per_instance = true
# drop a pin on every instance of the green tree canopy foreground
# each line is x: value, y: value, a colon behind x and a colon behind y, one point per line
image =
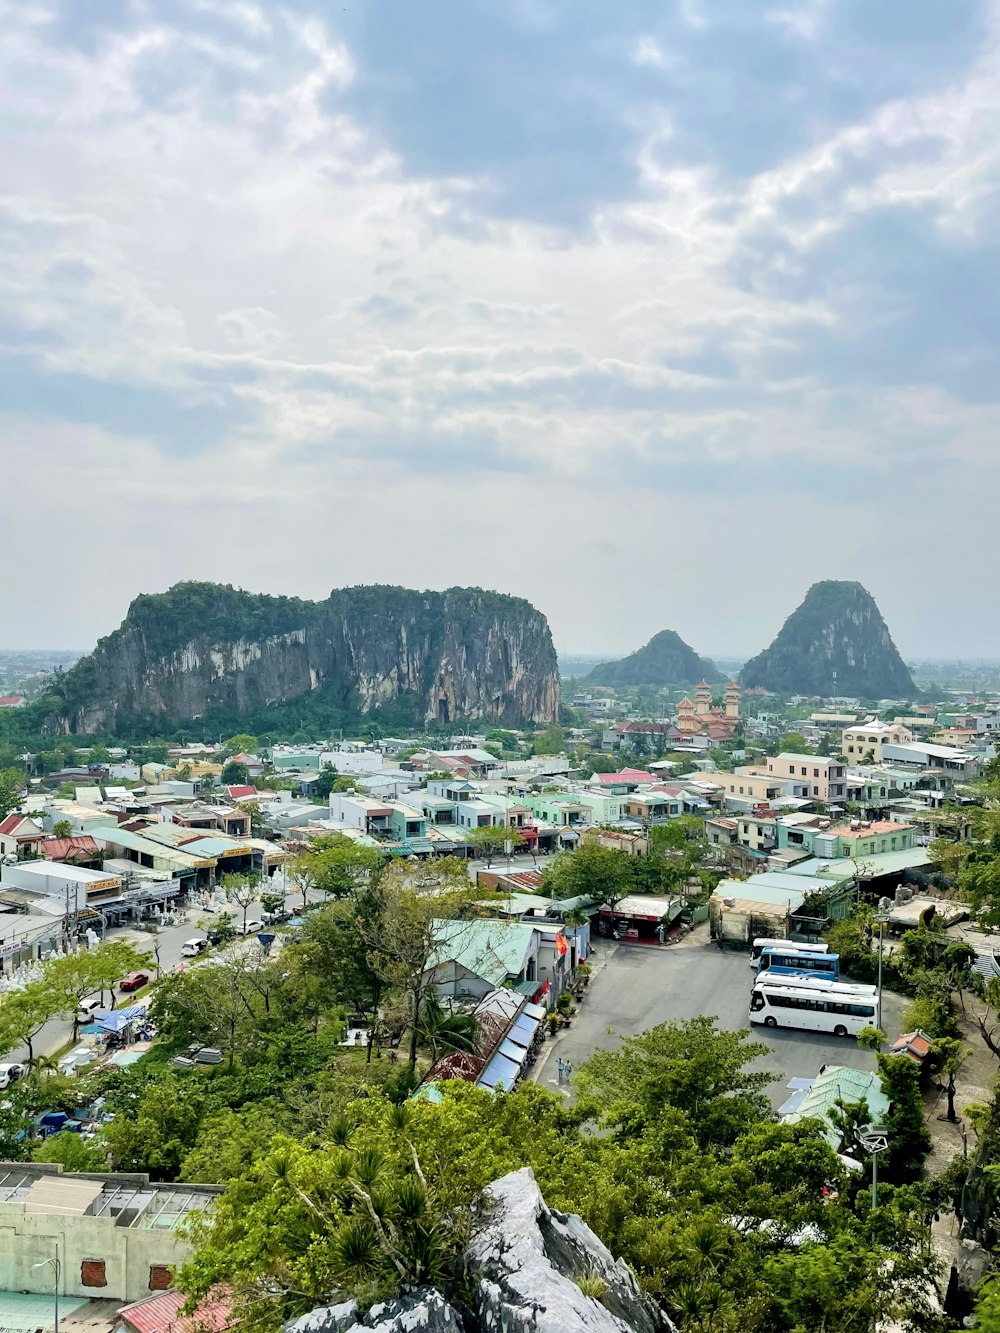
x: 732, y: 1221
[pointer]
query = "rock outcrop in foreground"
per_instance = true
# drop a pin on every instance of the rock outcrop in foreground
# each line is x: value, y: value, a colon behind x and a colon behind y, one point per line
x: 200, y: 646
x: 665, y: 660
x: 835, y: 643
x: 525, y: 1260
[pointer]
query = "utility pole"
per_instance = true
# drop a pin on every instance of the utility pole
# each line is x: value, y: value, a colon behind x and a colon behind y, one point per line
x: 882, y: 914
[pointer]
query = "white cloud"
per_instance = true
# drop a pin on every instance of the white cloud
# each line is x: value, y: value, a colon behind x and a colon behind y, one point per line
x: 248, y: 237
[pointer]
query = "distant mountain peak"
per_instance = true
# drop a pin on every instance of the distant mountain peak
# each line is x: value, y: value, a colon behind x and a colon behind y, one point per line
x: 665, y: 660
x: 834, y: 642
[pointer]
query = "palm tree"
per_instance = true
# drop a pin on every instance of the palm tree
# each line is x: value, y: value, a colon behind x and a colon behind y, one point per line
x: 442, y: 1031
x: 43, y: 1064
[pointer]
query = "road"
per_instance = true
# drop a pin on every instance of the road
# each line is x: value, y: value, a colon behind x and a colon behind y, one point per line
x: 168, y: 940
x: 640, y: 986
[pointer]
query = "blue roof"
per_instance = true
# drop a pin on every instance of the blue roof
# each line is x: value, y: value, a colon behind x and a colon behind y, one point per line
x: 499, y: 1073
x: 523, y: 1030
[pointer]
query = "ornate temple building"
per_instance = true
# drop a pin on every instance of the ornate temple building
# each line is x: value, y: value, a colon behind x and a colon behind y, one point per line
x: 700, y: 718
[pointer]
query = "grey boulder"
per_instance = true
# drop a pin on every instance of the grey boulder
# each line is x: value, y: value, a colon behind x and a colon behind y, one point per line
x: 527, y: 1258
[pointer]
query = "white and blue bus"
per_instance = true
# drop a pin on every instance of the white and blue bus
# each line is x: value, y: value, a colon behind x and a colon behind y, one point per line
x: 809, y: 1003
x: 760, y: 944
x: 790, y: 961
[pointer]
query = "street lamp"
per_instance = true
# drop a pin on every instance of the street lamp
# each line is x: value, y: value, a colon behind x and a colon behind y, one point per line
x: 55, y: 1294
x: 875, y: 1141
x: 882, y: 914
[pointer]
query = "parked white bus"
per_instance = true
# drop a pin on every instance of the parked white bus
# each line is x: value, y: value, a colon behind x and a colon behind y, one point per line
x: 839, y: 987
x: 792, y: 1002
x: 759, y: 945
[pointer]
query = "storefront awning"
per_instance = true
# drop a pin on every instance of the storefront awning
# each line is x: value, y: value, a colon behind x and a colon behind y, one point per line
x: 499, y: 1073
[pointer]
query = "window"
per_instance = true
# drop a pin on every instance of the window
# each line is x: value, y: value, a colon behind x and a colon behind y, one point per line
x: 92, y: 1273
x: 815, y: 772
x: 160, y: 1277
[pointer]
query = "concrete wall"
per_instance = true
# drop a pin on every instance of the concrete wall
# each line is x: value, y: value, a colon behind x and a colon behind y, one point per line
x: 128, y: 1253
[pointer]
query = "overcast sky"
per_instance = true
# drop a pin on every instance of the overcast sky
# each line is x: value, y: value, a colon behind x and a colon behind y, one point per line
x: 653, y: 313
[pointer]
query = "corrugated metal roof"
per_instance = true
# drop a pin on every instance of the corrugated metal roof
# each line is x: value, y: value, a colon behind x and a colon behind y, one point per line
x: 58, y: 1194
x: 161, y: 1314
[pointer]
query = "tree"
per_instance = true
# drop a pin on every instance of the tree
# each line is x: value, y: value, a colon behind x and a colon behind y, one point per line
x: 550, y: 741
x: 908, y: 1137
x: 73, y: 977
x: 492, y: 839
x: 72, y: 1152
x: 235, y: 774
x: 242, y: 891
x: 11, y: 790
x: 242, y: 743
x: 597, y: 872
x: 221, y: 1005
x: 155, y: 1123
x: 62, y: 828
x: 794, y: 743
x: 949, y: 1054
x: 404, y: 938
x: 691, y: 1067
x: 336, y: 865
x: 323, y: 785
x: 441, y: 1030
x: 333, y: 958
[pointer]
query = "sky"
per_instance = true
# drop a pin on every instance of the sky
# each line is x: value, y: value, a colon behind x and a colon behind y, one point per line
x: 652, y: 313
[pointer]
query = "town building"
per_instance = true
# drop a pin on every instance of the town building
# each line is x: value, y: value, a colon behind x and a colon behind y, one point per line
x: 700, y: 717
x: 862, y: 742
x: 825, y: 776
x: 119, y: 1237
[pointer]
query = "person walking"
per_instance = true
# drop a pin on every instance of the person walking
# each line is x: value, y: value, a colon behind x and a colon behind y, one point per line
x: 559, y: 1069
x: 567, y: 1070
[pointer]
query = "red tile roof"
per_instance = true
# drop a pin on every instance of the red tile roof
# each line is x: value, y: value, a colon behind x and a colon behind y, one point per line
x: 9, y: 824
x: 626, y: 775
x: 82, y: 848
x: 160, y: 1314
x: 241, y: 793
x: 11, y: 700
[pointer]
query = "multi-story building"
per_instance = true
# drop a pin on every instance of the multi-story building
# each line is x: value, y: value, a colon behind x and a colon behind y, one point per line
x: 863, y: 741
x: 825, y: 776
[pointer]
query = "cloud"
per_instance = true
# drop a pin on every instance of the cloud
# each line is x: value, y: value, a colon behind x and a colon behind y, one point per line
x: 551, y: 271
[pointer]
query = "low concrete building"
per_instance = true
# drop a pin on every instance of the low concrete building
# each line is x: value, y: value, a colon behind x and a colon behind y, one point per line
x: 117, y: 1235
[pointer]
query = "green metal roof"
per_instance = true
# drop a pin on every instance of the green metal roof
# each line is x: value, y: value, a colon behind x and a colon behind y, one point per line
x: 838, y: 1083
x: 865, y: 866
x: 493, y: 950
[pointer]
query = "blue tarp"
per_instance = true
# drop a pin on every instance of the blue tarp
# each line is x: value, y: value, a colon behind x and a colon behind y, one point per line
x: 114, y: 1020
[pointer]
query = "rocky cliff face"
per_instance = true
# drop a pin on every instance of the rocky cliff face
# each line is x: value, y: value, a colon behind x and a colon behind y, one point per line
x: 525, y: 1262
x: 665, y: 660
x: 835, y: 643
x: 459, y: 653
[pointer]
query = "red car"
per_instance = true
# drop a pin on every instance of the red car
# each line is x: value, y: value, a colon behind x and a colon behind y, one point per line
x: 134, y: 981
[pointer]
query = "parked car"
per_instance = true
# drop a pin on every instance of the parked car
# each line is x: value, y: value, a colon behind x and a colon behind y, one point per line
x: 275, y: 918
x: 192, y: 948
x: 250, y: 927
x: 10, y: 1074
x: 88, y: 1008
x: 134, y: 981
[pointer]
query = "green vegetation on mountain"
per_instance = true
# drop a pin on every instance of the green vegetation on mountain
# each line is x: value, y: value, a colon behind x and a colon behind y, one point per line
x: 665, y: 660
x: 205, y: 651
x: 834, y: 643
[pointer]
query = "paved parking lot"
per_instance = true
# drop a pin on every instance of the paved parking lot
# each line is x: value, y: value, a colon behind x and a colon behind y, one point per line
x: 641, y: 986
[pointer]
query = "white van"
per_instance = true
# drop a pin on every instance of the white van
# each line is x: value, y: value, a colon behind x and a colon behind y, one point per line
x: 192, y: 948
